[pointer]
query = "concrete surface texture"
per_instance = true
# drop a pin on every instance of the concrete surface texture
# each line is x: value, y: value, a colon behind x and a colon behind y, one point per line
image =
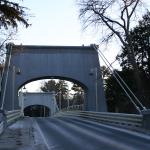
x: 46, y: 99
x: 78, y: 64
x: 65, y: 133
x: 22, y: 135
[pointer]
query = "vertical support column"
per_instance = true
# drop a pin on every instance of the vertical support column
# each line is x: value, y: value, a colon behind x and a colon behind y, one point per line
x: 94, y: 73
x: 60, y: 100
x: 146, y: 118
x: 96, y: 89
x: 21, y: 99
x: 6, y: 72
x: 13, y: 86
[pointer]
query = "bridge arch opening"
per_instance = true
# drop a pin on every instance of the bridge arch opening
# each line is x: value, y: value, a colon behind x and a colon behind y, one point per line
x: 37, y: 111
x: 83, y: 86
x: 69, y: 93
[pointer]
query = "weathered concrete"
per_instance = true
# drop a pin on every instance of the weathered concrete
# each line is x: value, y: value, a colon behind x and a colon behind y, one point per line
x: 146, y: 119
x: 45, y: 99
x: 72, y: 63
x: 22, y: 135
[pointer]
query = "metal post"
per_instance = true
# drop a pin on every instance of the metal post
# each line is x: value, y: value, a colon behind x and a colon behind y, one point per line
x: 60, y: 100
x: 21, y: 99
x: 54, y: 103
x: 146, y: 119
x: 13, y: 86
x: 7, y: 65
x: 44, y: 111
x: 96, y: 89
x: 0, y: 80
x: 94, y: 72
x: 41, y: 113
x: 68, y: 104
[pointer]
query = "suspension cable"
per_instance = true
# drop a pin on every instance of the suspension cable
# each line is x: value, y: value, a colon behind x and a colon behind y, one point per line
x: 122, y: 87
x: 114, y: 73
x: 144, y: 108
x: 9, y: 49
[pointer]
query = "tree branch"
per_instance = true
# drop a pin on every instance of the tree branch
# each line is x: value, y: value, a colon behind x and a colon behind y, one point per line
x: 137, y: 1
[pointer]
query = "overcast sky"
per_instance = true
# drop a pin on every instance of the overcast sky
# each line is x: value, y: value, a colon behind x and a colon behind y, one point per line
x: 54, y: 22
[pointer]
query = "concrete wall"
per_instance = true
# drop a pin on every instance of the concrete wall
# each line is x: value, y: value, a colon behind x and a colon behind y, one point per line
x: 72, y: 63
x: 44, y: 99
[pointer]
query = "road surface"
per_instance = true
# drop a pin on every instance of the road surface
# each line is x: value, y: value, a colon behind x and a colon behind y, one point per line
x: 63, y: 133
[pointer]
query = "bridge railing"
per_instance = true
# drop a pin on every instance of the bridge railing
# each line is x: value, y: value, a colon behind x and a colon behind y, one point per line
x: 2, y: 121
x: 109, y: 118
x: 8, y: 117
x: 12, y: 116
x: 73, y: 107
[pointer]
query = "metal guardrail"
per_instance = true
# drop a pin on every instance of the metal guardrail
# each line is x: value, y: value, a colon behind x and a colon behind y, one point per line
x: 73, y: 107
x: 8, y: 117
x: 12, y: 116
x: 2, y: 121
x: 1, y: 127
x: 110, y: 118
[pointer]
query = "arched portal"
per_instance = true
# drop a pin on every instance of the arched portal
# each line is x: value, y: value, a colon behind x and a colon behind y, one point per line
x: 71, y: 62
x: 42, y: 99
x: 37, y: 111
x: 68, y: 91
x: 55, y: 77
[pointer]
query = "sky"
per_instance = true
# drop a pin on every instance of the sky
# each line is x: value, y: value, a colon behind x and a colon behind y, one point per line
x: 56, y: 22
x: 53, y: 22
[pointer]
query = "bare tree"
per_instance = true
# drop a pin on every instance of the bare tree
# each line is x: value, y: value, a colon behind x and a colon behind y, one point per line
x: 117, y: 16
x: 6, y: 37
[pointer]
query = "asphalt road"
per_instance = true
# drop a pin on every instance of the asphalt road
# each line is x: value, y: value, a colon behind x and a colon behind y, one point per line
x: 63, y: 133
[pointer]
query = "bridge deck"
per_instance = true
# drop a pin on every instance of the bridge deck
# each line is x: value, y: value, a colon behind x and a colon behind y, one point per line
x: 64, y: 133
x: 21, y: 135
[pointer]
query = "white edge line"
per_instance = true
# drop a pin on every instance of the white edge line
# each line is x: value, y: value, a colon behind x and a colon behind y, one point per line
x: 40, y: 131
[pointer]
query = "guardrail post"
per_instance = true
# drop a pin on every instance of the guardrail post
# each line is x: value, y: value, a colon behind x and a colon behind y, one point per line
x: 146, y: 119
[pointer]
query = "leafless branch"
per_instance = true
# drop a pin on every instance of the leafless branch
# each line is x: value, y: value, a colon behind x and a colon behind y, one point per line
x: 6, y: 36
